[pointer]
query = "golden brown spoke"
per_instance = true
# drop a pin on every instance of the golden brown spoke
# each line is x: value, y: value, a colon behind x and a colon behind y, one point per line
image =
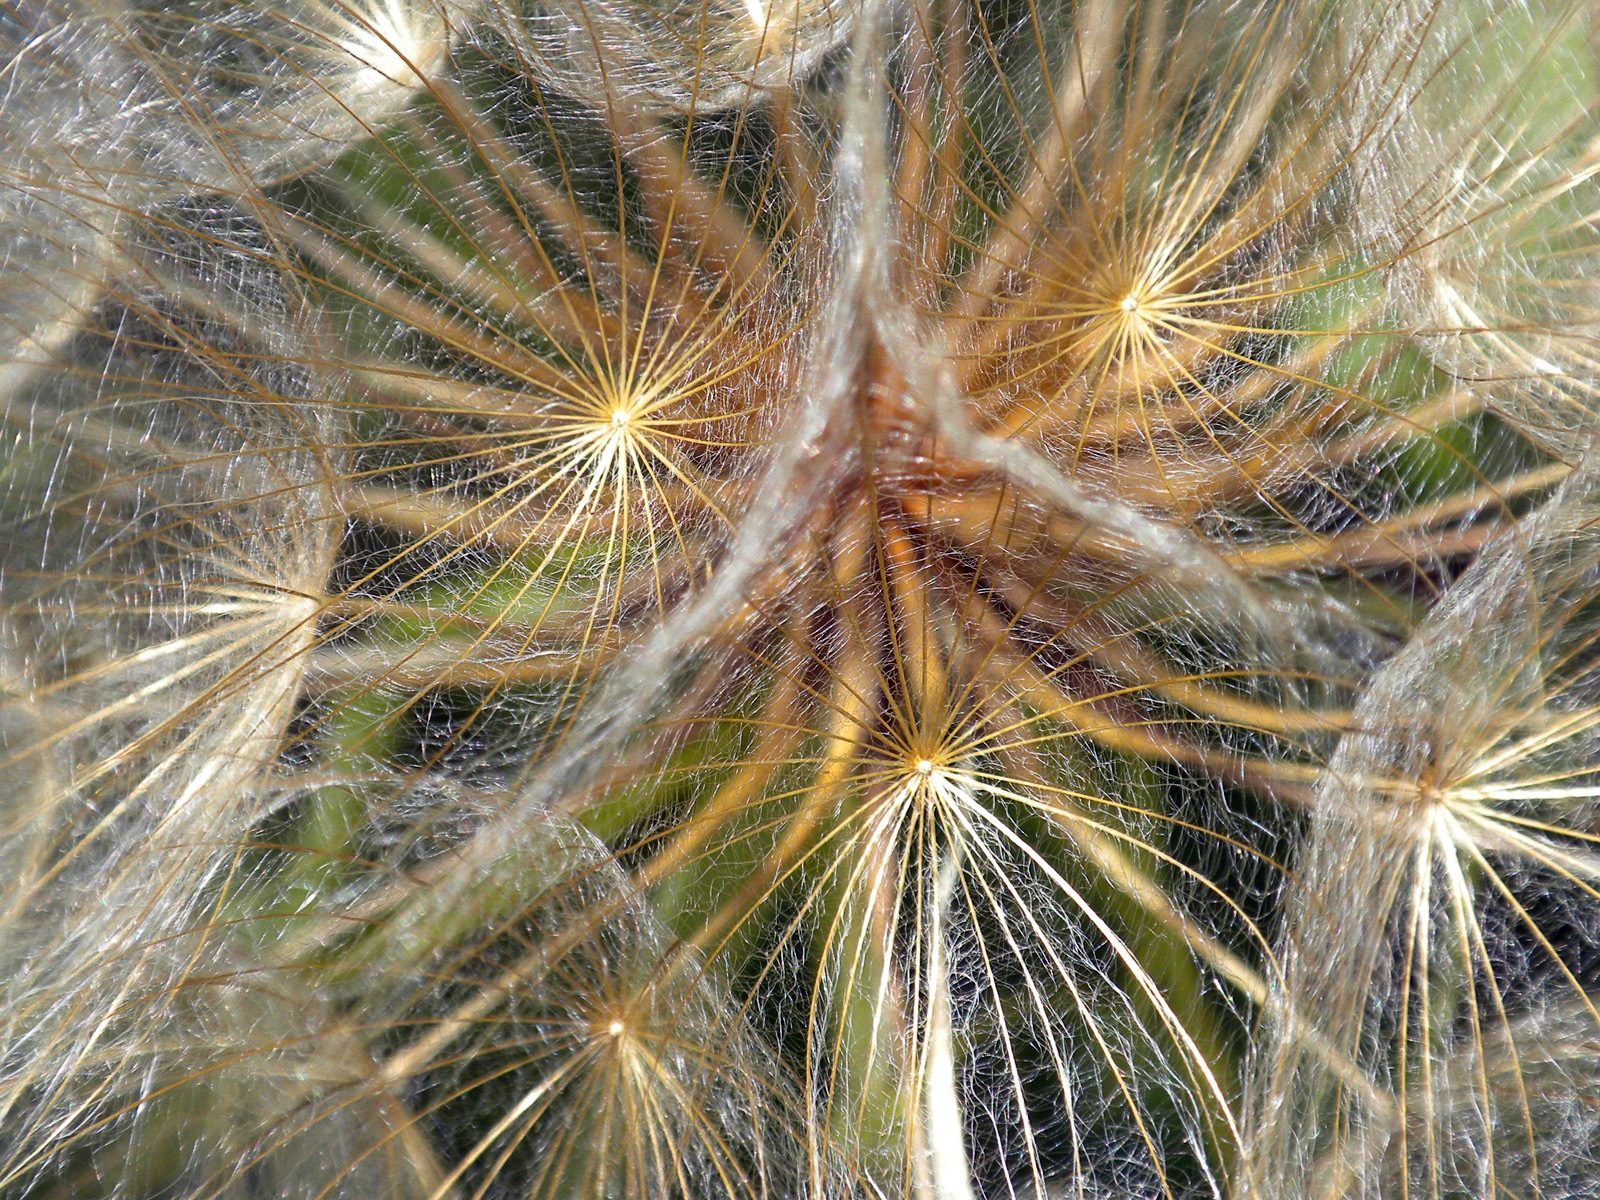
x: 1136, y: 736
x: 503, y: 237
x: 366, y: 286
x: 421, y: 394
x: 1195, y: 1062
x: 1110, y: 364
x: 424, y: 1052
x: 778, y: 733
x: 916, y: 116
x: 512, y: 469
x: 441, y: 664
x: 522, y: 185
x: 1167, y: 369
x: 1104, y: 847
x: 685, y: 367
x: 984, y: 604
x: 1295, y: 441
x: 935, y: 215
x: 801, y: 829
x: 1406, y: 540
x: 1236, y: 130
x: 982, y: 515
x: 1045, y: 363
x: 799, y: 164
x: 1122, y: 655
x: 1420, y: 422
x: 919, y: 660
x: 235, y: 637
x: 850, y: 706
x: 507, y: 527
x: 564, y: 312
x: 1287, y: 442
x: 1168, y: 365
x: 551, y: 478
x: 725, y: 245
x: 1091, y: 68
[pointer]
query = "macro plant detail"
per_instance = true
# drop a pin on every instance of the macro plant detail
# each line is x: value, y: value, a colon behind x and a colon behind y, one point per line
x: 790, y: 599
x: 1464, y: 825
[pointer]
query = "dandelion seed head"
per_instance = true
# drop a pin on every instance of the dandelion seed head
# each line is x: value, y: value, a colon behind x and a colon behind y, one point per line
x: 938, y: 834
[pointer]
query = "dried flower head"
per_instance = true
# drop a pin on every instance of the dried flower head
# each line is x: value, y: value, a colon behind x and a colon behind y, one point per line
x: 807, y: 599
